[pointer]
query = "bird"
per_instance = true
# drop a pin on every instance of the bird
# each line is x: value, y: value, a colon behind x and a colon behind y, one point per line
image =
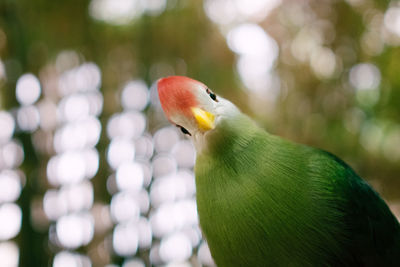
x: 263, y: 200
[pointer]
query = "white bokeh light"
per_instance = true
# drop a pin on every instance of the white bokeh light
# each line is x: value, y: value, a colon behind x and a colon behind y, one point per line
x: 120, y: 151
x: 165, y: 139
x: 228, y: 12
x: 306, y: 41
x: 92, y: 158
x: 12, y: 154
x: 10, y: 220
x: 9, y: 254
x: 126, y: 239
x: 145, y: 233
x: 74, y: 107
x: 127, y: 124
x: 27, y: 89
x: 68, y: 259
x: 84, y: 78
x: 96, y: 100
x: 85, y: 162
x: 257, y: 53
x: 77, y: 135
x: 88, y: 77
x: 194, y: 234
x: 222, y: 12
x: 365, y: 76
x: 77, y: 197
x: 7, y: 126
x: 163, y: 190
x: 10, y: 186
x: 147, y: 173
x: 28, y: 118
x: 144, y: 201
x: 175, y: 248
x: 171, y: 188
x: 164, y: 165
x: 184, y: 154
x: 92, y: 127
x: 135, y: 95
x: 133, y: 263
x: 257, y: 78
x: 323, y: 62
x: 115, y: 12
x: 54, y: 205
x: 154, y: 7
x: 76, y: 128
x: 144, y: 147
x: 204, y: 255
x: 66, y: 60
x: 129, y: 177
x: 75, y: 230
x: 173, y: 216
x: 256, y: 9
x: 392, y: 20
x: 71, y: 136
x: 124, y: 207
x: 251, y: 39
x: 154, y: 255
x: 162, y: 221
x: 68, y: 175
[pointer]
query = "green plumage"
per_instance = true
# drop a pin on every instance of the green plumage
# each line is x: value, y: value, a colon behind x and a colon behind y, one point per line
x: 264, y: 201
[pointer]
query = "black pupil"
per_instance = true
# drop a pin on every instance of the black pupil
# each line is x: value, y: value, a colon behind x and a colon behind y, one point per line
x: 183, y: 129
x: 212, y: 95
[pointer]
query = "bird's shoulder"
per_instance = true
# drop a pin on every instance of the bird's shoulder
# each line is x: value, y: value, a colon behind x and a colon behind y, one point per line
x: 373, y: 230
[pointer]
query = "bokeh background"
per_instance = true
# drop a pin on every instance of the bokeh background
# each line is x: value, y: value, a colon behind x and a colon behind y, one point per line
x: 92, y: 174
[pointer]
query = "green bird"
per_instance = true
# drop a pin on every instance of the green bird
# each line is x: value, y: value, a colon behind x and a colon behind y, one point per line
x: 265, y: 201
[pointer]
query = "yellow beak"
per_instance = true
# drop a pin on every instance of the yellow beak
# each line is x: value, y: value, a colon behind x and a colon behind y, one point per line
x: 204, y: 119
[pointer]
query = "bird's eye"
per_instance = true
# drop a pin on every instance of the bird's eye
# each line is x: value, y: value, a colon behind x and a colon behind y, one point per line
x: 183, y: 129
x: 212, y: 95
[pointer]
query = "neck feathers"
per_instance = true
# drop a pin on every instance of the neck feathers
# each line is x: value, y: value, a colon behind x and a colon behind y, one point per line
x: 232, y: 134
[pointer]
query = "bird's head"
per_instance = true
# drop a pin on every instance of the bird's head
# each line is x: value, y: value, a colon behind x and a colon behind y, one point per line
x: 192, y: 106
